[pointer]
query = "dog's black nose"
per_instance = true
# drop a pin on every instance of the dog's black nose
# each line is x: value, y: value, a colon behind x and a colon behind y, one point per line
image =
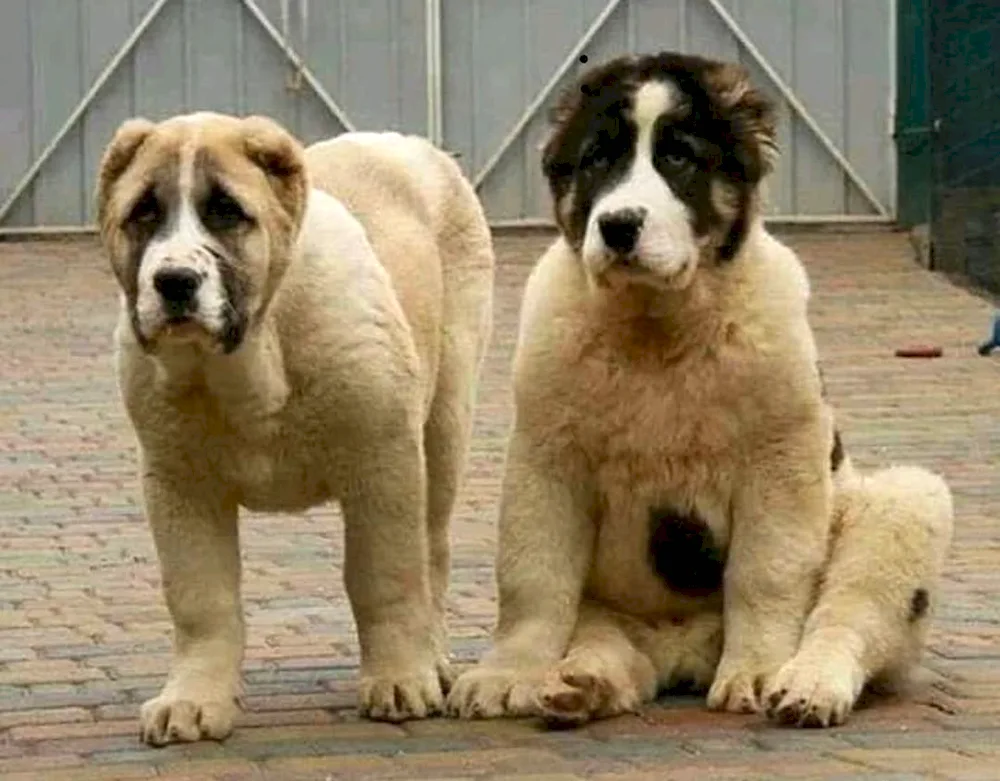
x: 177, y: 286
x: 620, y: 229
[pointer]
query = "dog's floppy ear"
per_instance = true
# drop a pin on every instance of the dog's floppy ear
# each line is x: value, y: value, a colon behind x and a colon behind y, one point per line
x: 280, y: 156
x: 559, y: 150
x: 118, y: 156
x: 751, y: 114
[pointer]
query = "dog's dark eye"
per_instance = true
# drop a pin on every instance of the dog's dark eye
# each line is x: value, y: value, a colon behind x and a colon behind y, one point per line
x: 675, y: 151
x: 675, y: 160
x: 594, y: 156
x: 147, y: 211
x: 674, y: 155
x: 221, y: 212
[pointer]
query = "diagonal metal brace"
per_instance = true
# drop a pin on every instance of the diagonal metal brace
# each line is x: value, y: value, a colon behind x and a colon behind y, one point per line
x: 300, y: 65
x: 102, y: 78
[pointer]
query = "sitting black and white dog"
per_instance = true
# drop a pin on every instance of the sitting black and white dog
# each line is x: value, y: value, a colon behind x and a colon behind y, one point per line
x: 678, y: 507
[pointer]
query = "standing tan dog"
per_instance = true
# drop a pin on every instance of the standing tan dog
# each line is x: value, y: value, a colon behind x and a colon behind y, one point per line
x: 297, y: 325
x: 677, y: 505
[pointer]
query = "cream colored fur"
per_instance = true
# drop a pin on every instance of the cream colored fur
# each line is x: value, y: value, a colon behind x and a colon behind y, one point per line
x: 355, y: 383
x: 630, y: 397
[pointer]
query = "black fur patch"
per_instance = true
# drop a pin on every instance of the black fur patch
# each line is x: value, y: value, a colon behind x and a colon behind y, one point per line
x: 920, y: 602
x: 684, y: 553
x: 235, y: 317
x: 709, y: 138
x: 836, y: 452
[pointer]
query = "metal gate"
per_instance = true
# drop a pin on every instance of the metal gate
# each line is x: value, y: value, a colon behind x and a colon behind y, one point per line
x: 965, y: 131
x: 474, y: 75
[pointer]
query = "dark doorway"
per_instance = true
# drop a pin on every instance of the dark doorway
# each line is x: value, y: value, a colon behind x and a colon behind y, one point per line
x: 964, y: 70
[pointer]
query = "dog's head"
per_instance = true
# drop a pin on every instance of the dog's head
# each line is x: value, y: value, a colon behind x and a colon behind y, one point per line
x: 654, y: 163
x: 198, y: 215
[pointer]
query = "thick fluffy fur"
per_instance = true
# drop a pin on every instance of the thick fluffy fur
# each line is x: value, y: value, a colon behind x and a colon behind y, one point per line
x: 678, y: 508
x: 297, y: 326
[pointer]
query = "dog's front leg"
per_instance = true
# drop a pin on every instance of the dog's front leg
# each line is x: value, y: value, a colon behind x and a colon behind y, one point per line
x: 780, y: 533
x: 387, y: 575
x: 194, y: 526
x: 546, y: 537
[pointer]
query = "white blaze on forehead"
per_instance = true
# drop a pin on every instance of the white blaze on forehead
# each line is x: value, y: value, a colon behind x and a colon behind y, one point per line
x: 652, y: 100
x: 188, y: 154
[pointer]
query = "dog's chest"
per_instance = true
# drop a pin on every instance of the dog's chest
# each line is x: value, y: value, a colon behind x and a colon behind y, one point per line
x: 663, y: 443
x: 268, y: 469
x: 640, y: 422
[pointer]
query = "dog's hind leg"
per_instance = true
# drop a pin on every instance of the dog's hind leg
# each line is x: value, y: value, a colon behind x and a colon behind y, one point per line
x: 467, y: 316
x: 446, y: 436
x: 892, y: 531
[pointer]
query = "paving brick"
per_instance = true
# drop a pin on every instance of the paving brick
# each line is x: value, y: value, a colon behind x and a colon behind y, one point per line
x: 60, y: 716
x: 346, y: 766
x: 932, y: 760
x: 103, y: 773
x: 38, y: 764
x: 47, y: 671
x: 537, y: 777
x: 229, y: 769
x: 504, y: 730
x: 287, y: 718
x: 741, y: 767
x: 88, y: 729
x: 510, y: 760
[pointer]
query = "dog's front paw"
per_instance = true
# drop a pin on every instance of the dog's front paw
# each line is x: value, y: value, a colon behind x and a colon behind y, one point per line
x: 185, y: 714
x: 581, y: 688
x: 812, y: 693
x: 737, y: 687
x: 487, y: 692
x: 403, y: 695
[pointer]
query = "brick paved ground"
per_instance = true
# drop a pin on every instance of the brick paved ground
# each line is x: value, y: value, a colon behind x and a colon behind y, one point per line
x: 83, y: 632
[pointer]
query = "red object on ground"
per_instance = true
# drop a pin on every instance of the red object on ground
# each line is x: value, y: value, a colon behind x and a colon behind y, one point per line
x: 919, y: 351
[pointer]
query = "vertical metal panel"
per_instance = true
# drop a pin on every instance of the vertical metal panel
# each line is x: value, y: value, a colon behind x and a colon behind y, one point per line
x: 913, y: 128
x: 868, y: 96
x: 214, y: 68
x: 56, y: 85
x: 370, y: 56
x: 17, y: 105
x: 817, y: 33
x: 159, y: 64
x: 707, y: 35
x: 500, y: 94
x: 104, y: 28
x: 660, y: 25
